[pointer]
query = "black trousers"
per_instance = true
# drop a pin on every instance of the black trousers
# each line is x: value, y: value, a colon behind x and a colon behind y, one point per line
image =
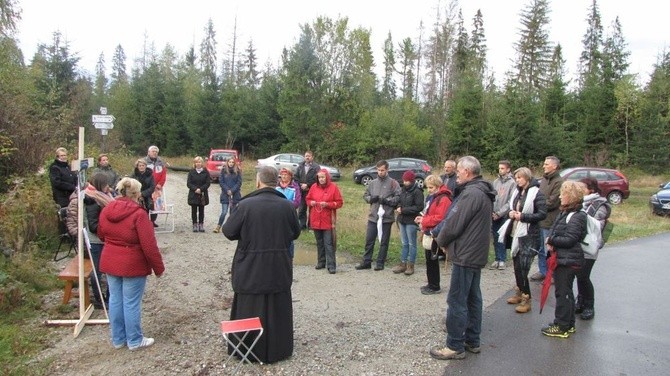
x: 433, y: 267
x: 564, y: 277
x: 585, y: 292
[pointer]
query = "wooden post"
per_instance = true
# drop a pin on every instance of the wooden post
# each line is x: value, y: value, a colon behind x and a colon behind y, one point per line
x: 84, y: 312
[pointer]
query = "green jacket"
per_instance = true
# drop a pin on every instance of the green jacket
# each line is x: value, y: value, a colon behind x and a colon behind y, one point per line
x: 550, y: 187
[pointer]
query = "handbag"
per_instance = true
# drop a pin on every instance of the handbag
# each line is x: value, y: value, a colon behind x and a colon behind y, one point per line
x: 427, y: 241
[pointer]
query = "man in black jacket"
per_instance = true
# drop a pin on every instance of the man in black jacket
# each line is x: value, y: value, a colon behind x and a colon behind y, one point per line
x: 306, y: 176
x: 264, y: 225
x: 466, y: 235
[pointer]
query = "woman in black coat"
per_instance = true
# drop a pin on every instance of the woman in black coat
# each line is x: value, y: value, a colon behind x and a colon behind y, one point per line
x: 522, y: 232
x: 567, y: 232
x: 198, y: 181
x: 145, y: 176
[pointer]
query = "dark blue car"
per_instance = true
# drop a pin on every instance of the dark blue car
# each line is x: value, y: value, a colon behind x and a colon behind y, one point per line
x: 660, y: 201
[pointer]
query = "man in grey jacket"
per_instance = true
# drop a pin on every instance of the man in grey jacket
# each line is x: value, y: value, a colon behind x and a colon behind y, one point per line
x: 465, y: 235
x: 383, y: 195
x: 504, y: 185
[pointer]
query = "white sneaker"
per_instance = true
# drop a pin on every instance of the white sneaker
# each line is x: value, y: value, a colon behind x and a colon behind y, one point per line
x: 146, y: 342
x: 501, y: 265
x: 494, y: 265
x: 119, y: 346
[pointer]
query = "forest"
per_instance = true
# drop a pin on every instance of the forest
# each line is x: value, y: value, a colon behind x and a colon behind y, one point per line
x: 436, y: 98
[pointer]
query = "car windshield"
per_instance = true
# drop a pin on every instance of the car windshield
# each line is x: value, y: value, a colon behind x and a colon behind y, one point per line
x: 667, y: 185
x: 222, y: 156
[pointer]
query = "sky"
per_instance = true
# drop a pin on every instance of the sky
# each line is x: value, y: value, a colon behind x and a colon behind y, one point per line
x: 93, y: 27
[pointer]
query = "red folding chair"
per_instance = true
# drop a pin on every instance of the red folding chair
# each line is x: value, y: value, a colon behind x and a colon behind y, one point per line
x: 235, y: 328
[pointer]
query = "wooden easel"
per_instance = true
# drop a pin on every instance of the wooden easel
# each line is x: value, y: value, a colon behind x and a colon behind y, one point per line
x: 80, y: 165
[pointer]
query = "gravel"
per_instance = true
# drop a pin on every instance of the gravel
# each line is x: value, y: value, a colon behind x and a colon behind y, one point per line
x: 351, y: 323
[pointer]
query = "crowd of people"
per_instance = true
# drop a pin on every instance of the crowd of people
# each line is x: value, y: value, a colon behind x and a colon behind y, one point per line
x: 459, y: 219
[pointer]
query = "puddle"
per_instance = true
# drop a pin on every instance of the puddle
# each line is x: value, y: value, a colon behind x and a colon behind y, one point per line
x: 306, y: 255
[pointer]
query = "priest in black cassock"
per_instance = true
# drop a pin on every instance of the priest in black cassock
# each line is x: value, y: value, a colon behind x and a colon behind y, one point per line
x: 264, y: 224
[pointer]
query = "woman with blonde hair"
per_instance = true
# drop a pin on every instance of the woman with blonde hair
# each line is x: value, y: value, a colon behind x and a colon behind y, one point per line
x: 521, y: 232
x: 231, y: 189
x: 567, y: 232
x: 198, y: 181
x: 436, y: 206
x: 130, y: 253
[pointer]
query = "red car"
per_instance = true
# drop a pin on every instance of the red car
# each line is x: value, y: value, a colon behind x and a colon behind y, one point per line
x: 612, y: 183
x: 217, y: 158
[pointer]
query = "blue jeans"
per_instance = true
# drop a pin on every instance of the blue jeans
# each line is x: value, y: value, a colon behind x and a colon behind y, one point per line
x: 464, y: 311
x: 408, y: 240
x: 125, y: 309
x: 498, y: 247
x: 224, y: 211
x: 542, y: 255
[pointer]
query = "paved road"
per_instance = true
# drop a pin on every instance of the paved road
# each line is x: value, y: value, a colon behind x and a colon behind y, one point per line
x: 630, y: 334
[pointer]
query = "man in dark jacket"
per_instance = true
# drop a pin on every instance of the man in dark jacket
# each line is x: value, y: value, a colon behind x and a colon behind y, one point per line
x: 550, y: 186
x: 305, y: 175
x: 383, y: 195
x: 466, y: 236
x: 449, y: 176
x: 63, y: 180
x: 264, y: 224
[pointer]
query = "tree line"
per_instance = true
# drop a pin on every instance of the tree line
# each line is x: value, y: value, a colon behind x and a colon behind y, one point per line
x: 436, y: 98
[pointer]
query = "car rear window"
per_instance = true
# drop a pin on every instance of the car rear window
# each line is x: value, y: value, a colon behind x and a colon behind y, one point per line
x: 222, y: 156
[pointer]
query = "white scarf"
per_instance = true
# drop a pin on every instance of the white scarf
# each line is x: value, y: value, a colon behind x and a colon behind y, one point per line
x: 521, y: 227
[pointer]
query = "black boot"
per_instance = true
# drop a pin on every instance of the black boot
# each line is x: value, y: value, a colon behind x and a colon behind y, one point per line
x: 579, y: 305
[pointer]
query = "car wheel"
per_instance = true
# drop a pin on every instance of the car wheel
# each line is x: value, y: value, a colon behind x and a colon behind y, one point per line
x: 366, y: 179
x: 419, y: 182
x: 615, y: 197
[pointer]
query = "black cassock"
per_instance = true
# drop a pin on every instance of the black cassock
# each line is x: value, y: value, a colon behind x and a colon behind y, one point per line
x: 264, y: 224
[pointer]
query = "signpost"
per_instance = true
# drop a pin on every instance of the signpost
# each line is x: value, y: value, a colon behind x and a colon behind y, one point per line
x: 103, y: 122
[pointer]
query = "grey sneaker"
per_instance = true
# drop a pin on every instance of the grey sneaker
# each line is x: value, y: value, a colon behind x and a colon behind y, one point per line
x: 501, y: 265
x: 494, y: 265
x: 537, y: 277
x: 146, y: 342
x: 473, y: 349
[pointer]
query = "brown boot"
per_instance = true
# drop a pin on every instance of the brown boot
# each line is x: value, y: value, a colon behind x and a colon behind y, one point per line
x: 524, y: 306
x: 217, y: 229
x: 400, y: 268
x: 516, y: 299
x: 410, y: 268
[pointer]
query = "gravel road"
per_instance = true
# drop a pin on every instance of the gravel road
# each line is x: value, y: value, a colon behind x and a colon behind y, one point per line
x: 350, y: 323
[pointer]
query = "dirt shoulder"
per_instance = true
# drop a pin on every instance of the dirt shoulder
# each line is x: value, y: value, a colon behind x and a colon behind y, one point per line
x: 353, y: 322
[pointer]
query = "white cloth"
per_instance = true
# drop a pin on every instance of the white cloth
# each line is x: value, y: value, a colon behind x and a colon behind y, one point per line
x: 380, y: 222
x: 521, y: 228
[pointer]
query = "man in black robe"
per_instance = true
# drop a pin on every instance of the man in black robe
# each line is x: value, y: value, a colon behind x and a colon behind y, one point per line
x: 264, y: 224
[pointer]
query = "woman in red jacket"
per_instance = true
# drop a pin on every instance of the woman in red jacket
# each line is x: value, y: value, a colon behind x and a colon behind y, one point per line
x: 323, y: 199
x: 437, y: 204
x: 129, y: 255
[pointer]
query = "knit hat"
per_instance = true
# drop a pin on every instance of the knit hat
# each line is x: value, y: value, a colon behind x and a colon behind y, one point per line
x: 408, y: 176
x: 285, y: 170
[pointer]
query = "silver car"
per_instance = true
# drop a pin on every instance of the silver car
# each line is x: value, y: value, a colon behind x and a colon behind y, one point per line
x: 291, y: 161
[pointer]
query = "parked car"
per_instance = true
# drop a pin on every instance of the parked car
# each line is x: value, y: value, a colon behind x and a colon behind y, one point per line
x: 397, y: 166
x: 291, y: 162
x: 660, y: 201
x: 217, y: 158
x: 612, y: 183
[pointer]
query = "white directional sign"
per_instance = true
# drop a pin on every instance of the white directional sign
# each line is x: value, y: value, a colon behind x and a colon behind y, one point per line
x: 103, y: 118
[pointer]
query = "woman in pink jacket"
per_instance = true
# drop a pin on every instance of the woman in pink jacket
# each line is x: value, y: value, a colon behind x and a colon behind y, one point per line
x: 129, y: 255
x: 323, y: 199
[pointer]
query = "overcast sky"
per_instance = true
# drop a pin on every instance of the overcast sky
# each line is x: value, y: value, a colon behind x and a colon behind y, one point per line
x: 96, y: 26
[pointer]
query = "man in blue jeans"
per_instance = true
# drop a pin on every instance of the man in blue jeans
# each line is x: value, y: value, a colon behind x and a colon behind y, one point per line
x: 550, y: 186
x: 504, y: 186
x: 465, y: 235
